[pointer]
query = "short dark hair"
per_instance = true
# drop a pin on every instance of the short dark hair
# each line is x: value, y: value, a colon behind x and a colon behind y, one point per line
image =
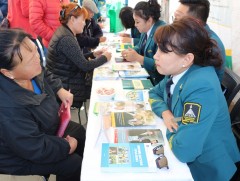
x: 126, y: 17
x: 10, y: 41
x: 198, y: 8
x: 188, y: 35
x: 145, y: 10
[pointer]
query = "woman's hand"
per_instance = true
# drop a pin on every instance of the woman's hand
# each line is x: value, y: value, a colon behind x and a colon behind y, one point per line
x: 131, y: 55
x: 108, y: 55
x: 123, y: 35
x: 126, y: 40
x: 72, y: 142
x: 102, y: 39
x: 103, y: 51
x: 168, y: 119
x: 99, y: 52
x: 65, y: 96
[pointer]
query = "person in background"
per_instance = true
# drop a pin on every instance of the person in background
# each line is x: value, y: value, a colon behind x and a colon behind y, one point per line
x: 200, y: 9
x: 65, y: 58
x: 92, y: 34
x: 146, y: 16
x: 99, y: 3
x: 44, y: 18
x: 29, y: 115
x: 90, y: 38
x: 126, y: 17
x: 3, y: 9
x: 203, y: 137
x: 18, y: 16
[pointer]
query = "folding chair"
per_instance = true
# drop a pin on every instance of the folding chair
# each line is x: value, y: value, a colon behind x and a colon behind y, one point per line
x: 235, y: 121
x: 230, y: 85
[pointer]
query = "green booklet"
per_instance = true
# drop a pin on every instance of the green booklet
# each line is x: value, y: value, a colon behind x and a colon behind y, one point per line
x: 137, y: 84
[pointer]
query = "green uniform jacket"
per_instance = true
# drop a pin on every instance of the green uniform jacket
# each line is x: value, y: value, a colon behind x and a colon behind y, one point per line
x: 149, y: 51
x: 135, y: 34
x: 204, y: 139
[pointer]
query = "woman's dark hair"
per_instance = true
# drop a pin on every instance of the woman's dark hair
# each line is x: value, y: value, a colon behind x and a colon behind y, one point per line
x: 10, y: 41
x: 145, y: 10
x: 71, y: 9
x: 126, y: 16
x: 187, y: 35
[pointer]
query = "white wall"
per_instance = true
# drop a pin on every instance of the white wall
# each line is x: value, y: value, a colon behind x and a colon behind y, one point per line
x: 236, y: 36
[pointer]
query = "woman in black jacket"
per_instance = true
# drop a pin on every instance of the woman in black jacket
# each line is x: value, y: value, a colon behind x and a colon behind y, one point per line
x: 29, y: 115
x: 65, y: 58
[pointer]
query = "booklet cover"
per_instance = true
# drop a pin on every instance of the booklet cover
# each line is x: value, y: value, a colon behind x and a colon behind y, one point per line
x: 104, y: 73
x: 119, y: 106
x: 133, y: 119
x: 130, y: 135
x: 130, y: 66
x: 137, y: 84
x: 134, y: 74
x: 132, y: 95
x: 127, y: 157
x: 123, y: 46
x: 65, y: 116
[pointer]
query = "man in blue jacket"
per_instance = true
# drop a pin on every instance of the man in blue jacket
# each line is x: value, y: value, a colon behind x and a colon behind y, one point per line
x: 199, y: 9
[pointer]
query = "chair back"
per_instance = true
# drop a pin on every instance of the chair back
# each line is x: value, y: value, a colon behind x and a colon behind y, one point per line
x: 230, y: 85
x: 235, y: 121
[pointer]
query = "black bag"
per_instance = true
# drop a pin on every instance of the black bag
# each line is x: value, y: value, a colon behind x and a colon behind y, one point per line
x: 5, y: 23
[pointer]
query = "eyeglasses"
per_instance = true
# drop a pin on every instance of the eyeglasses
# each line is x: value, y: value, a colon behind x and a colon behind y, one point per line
x: 74, y: 9
x: 62, y: 12
x: 161, y: 161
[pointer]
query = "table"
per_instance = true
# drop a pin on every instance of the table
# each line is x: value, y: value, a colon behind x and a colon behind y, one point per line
x: 91, y: 170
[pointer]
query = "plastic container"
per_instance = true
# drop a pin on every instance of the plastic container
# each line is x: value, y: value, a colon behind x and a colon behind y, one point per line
x: 113, y: 13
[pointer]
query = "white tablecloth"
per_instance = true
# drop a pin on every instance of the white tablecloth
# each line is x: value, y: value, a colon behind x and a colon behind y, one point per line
x: 95, y: 136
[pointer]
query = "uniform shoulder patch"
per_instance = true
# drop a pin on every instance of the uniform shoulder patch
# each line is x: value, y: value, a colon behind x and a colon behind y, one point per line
x: 191, y: 113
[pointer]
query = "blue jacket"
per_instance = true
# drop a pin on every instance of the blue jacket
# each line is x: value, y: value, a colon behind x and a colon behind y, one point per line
x: 149, y: 51
x: 204, y: 139
x: 3, y: 8
x: 215, y: 37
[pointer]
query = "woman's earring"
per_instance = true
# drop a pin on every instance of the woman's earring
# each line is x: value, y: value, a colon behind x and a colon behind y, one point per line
x: 183, y: 66
x: 11, y: 77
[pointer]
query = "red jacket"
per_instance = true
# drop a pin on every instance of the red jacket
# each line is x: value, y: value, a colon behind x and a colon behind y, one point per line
x: 44, y: 17
x: 18, y: 15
